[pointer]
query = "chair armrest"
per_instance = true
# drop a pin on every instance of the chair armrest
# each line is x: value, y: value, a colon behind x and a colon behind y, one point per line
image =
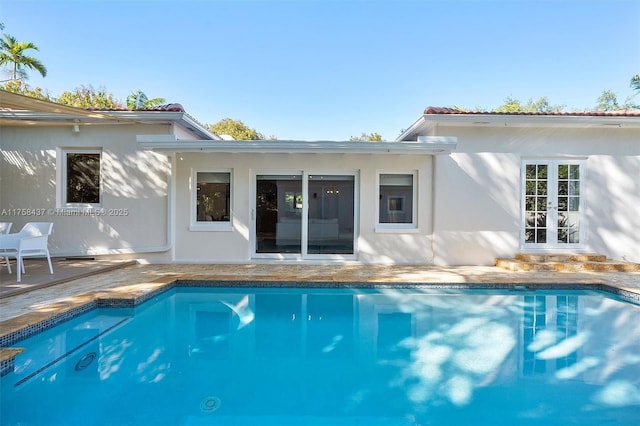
x: 10, y: 241
x: 38, y: 242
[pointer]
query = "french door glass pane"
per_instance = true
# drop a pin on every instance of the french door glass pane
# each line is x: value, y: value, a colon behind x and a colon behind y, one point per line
x: 278, y: 213
x: 536, y: 186
x: 568, y: 226
x: 331, y: 214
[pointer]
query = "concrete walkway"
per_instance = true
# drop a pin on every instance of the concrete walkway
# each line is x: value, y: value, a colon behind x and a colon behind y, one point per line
x: 137, y: 279
x: 37, y: 273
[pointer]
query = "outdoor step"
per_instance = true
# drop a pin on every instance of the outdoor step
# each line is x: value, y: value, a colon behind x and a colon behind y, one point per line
x: 599, y: 266
x: 561, y: 257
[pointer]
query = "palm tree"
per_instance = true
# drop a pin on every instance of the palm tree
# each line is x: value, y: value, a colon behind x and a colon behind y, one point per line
x: 12, y: 54
x: 635, y: 83
x: 138, y: 100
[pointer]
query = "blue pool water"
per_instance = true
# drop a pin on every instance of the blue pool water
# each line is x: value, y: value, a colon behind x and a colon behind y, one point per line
x: 267, y: 356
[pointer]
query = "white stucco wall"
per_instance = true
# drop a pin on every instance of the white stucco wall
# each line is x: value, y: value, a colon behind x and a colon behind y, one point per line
x: 236, y: 246
x: 469, y: 208
x: 477, y: 195
x: 134, y: 189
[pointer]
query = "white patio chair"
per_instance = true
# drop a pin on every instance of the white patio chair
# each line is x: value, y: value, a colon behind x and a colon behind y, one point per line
x: 5, y: 227
x: 31, y: 241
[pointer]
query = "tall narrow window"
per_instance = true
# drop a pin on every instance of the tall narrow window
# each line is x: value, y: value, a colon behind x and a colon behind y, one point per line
x: 81, y: 178
x: 213, y: 197
x: 396, y: 193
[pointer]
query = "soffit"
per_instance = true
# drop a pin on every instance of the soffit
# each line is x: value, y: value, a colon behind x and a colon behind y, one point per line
x: 429, y: 145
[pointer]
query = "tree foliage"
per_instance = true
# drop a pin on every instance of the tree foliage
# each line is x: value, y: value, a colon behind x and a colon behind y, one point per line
x: 88, y: 97
x: 21, y: 88
x: 607, y: 101
x: 635, y: 83
x: 367, y: 137
x: 12, y: 55
x: 541, y: 105
x: 236, y: 129
x: 138, y: 100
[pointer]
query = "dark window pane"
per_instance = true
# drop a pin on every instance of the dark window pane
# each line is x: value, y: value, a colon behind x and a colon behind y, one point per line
x: 542, y: 204
x: 396, y: 198
x: 541, y: 220
x: 542, y: 172
x: 529, y: 235
x: 541, y: 236
x: 563, y: 204
x: 563, y: 187
x: 83, y: 178
x: 531, y: 187
x: 530, y: 204
x: 214, y: 197
x: 563, y: 171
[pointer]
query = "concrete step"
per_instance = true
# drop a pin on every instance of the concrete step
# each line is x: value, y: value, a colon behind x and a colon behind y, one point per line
x: 561, y: 257
x: 566, y: 263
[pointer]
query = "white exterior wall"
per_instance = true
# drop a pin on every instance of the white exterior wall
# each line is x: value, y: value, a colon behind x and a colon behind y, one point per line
x: 133, y: 181
x: 477, y: 196
x: 402, y: 247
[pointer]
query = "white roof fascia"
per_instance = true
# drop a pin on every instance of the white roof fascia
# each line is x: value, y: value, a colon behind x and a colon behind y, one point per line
x: 526, y: 120
x: 34, y: 118
x: 414, y: 128
x: 54, y: 118
x: 428, y: 145
x: 181, y: 118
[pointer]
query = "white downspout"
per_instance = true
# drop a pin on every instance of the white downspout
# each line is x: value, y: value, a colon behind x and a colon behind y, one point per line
x: 142, y: 250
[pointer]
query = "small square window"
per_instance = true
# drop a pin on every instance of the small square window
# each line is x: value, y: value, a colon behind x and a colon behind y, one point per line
x: 396, y: 199
x: 80, y: 178
x: 212, y: 198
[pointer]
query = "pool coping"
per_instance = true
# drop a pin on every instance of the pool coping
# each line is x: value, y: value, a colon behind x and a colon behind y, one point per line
x: 19, y: 328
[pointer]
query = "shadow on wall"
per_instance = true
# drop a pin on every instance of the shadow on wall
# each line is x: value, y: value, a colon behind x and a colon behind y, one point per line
x: 135, y: 175
x: 396, y: 249
x: 134, y: 190
x: 613, y: 207
x: 28, y: 170
x: 476, y: 208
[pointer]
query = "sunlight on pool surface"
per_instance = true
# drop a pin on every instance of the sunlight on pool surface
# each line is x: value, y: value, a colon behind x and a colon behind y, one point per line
x: 311, y: 356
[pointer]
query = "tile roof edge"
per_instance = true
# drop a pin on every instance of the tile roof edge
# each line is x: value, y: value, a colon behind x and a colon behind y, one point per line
x: 432, y: 110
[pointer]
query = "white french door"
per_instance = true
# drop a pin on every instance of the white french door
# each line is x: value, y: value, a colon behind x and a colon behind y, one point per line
x: 552, y: 204
x: 304, y: 215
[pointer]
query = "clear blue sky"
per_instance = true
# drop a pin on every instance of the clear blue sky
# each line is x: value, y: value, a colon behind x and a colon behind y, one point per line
x: 316, y: 70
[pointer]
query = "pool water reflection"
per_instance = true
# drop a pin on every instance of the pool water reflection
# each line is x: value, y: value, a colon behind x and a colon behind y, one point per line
x: 336, y: 356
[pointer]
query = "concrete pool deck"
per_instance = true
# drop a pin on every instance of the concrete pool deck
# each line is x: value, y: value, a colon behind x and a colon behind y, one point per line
x: 133, y: 282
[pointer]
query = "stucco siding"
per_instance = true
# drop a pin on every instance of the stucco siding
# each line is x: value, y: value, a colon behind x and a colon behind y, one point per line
x: 400, y: 247
x: 133, y: 194
x: 478, y: 190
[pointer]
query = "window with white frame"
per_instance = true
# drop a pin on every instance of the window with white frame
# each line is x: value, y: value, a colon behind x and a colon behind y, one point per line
x: 80, y: 178
x: 396, y: 205
x: 212, y: 198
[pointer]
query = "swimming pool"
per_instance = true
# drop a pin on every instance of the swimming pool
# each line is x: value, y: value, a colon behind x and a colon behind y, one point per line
x: 284, y: 356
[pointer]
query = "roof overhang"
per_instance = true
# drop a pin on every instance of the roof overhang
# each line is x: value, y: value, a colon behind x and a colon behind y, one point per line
x: 428, y: 122
x: 19, y: 106
x: 20, y: 110
x: 426, y: 145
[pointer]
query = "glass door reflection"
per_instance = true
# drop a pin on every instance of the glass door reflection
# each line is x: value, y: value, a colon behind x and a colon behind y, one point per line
x: 330, y: 222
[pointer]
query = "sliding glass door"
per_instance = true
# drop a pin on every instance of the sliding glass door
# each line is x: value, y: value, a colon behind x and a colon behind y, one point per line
x: 278, y: 213
x: 331, y: 214
x: 304, y: 215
